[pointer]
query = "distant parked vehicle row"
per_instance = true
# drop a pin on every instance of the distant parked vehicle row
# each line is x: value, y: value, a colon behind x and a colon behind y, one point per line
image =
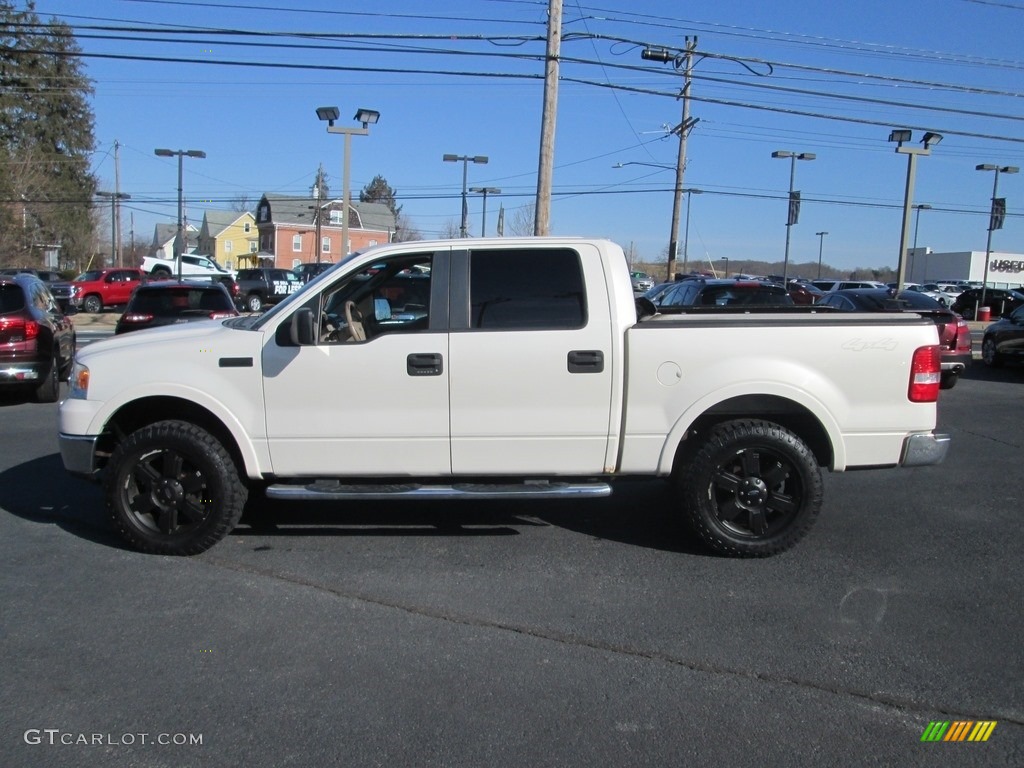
x: 1004, y: 340
x: 721, y: 292
x: 46, y: 275
x: 191, y: 264
x: 1000, y: 300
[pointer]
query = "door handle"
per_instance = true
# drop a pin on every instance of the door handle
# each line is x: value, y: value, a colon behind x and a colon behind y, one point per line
x: 424, y: 364
x: 585, y: 361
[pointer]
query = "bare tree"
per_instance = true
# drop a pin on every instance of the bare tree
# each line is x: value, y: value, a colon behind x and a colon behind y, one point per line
x: 522, y: 220
x: 450, y: 230
x: 243, y: 203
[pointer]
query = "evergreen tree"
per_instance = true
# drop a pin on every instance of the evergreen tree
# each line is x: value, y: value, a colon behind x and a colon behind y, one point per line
x: 46, y: 132
x: 319, y: 190
x: 379, y: 191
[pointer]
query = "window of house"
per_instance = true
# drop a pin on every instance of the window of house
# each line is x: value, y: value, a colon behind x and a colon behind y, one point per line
x: 264, y: 213
x: 228, y: 246
x: 524, y: 289
x: 247, y: 227
x: 325, y: 245
x: 252, y: 247
x: 336, y: 217
x: 297, y: 243
x: 372, y: 243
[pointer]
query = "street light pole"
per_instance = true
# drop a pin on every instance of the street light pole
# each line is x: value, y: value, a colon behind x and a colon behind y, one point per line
x: 179, y: 241
x: 686, y: 236
x: 794, y: 201
x: 465, y: 160
x: 995, y: 219
x: 485, y: 191
x: 917, y: 226
x: 901, y: 136
x: 366, y: 117
x: 821, y: 246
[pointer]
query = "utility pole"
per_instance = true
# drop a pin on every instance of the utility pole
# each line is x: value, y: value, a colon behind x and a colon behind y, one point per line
x: 118, y: 255
x: 542, y: 216
x: 682, y: 130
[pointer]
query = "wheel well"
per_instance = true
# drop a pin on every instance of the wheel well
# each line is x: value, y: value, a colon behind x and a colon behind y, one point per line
x: 786, y: 413
x: 141, y: 413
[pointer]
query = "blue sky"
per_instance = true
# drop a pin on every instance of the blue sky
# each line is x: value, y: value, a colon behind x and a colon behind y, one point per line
x: 765, y: 69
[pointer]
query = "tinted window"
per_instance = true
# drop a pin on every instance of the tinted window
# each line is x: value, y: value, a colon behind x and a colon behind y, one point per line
x: 11, y: 298
x: 179, y: 301
x: 526, y: 289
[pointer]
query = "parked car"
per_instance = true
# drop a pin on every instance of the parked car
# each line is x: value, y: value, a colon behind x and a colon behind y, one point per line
x: 843, y: 285
x: 307, y: 272
x: 169, y: 302
x: 722, y: 292
x: 37, y: 340
x: 264, y: 285
x: 931, y: 290
x: 954, y: 334
x: 98, y: 288
x: 803, y: 292
x: 1001, y: 300
x: 642, y: 282
x: 46, y: 275
x: 1004, y: 340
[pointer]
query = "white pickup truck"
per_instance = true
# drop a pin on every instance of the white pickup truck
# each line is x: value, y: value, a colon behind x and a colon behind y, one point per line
x: 496, y: 368
x: 191, y: 266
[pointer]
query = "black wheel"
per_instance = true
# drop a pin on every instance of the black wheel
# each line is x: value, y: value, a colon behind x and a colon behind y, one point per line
x: 172, y: 489
x: 989, y: 355
x: 49, y: 389
x: 253, y: 302
x: 92, y: 304
x: 161, y: 273
x: 948, y: 379
x: 753, y: 489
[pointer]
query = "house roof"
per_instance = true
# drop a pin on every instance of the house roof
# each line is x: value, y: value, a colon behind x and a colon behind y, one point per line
x: 291, y: 209
x: 165, y: 233
x: 216, y: 221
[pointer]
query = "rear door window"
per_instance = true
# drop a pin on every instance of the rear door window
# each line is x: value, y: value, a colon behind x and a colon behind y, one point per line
x: 526, y: 289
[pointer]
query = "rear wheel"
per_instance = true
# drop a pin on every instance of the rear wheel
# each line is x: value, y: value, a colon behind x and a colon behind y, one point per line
x: 161, y: 272
x: 172, y: 489
x: 752, y: 489
x: 989, y: 355
x: 49, y: 389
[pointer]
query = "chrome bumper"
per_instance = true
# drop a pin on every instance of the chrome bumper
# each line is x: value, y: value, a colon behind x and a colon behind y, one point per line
x: 78, y: 452
x: 922, y: 450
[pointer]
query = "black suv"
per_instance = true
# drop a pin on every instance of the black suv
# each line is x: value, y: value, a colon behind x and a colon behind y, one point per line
x: 37, y: 340
x: 730, y: 295
x: 1000, y: 300
x: 265, y: 285
x: 170, y: 302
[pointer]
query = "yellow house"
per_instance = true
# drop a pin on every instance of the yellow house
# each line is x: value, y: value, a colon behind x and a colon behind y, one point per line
x: 230, y: 238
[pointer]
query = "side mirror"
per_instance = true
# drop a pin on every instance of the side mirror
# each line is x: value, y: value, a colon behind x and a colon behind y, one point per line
x: 300, y: 330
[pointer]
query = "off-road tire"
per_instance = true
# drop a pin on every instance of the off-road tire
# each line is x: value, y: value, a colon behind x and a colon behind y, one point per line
x: 751, y: 489
x: 173, y: 489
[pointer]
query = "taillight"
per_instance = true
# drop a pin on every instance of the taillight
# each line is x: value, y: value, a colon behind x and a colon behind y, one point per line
x: 925, y: 375
x: 29, y: 328
x: 963, y: 336
x: 221, y: 315
x: 135, y: 317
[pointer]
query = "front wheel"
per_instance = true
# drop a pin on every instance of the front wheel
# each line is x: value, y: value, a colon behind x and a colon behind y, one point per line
x: 752, y: 489
x: 254, y: 303
x: 172, y: 489
x: 49, y: 389
x: 989, y: 356
x: 92, y: 304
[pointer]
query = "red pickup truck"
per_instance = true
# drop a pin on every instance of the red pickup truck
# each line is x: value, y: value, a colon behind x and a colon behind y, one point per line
x: 98, y: 288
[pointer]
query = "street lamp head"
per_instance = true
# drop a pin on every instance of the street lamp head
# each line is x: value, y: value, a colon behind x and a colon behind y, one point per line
x: 195, y: 153
x: 900, y: 136
x: 1011, y: 169
x: 163, y: 152
x: 450, y: 158
x: 481, y: 159
x: 330, y: 114
x: 821, y: 234
x: 931, y: 139
x: 781, y: 153
x: 694, y: 191
x: 923, y: 207
x: 806, y: 156
x: 367, y: 116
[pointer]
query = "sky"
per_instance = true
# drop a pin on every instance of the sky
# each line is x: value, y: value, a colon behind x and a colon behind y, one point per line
x: 241, y: 81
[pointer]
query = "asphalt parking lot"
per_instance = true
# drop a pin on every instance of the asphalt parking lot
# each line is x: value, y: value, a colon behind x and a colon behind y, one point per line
x: 537, y: 634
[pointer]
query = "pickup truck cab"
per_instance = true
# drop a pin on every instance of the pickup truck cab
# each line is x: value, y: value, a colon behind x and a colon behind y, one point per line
x: 95, y: 289
x: 191, y: 265
x: 448, y: 370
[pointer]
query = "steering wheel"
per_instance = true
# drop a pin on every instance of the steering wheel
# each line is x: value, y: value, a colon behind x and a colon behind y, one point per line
x: 354, y: 318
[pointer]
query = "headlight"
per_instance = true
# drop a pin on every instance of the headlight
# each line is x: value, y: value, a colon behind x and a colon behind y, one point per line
x: 79, y: 385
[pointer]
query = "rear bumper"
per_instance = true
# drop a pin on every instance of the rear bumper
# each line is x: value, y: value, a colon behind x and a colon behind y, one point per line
x: 23, y: 373
x: 924, y: 449
x: 956, y: 363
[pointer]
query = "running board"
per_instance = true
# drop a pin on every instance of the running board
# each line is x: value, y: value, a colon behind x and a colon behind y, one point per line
x: 332, y: 490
